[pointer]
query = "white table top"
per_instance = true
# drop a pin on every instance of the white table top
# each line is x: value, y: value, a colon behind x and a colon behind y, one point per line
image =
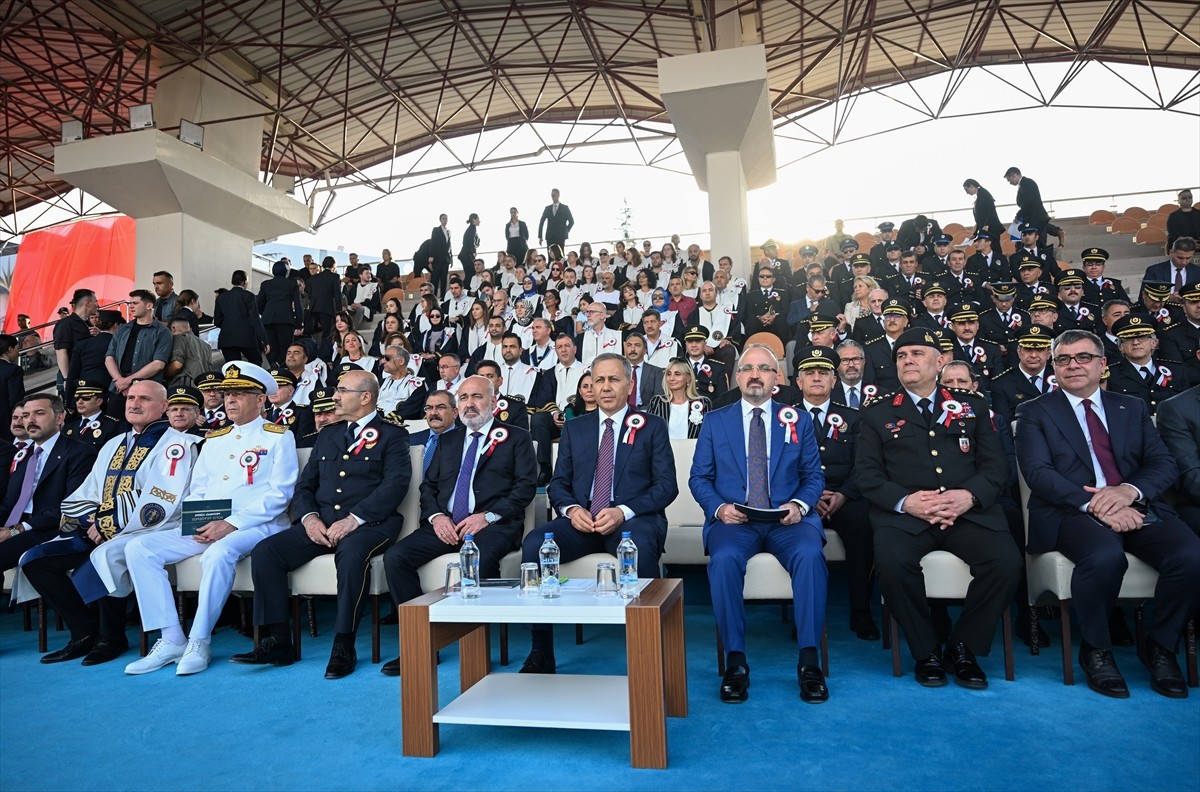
x: 577, y: 605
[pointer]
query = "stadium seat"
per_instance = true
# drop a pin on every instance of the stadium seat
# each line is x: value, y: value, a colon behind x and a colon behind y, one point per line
x: 769, y: 340
x: 1157, y: 220
x: 947, y: 577
x: 866, y: 240
x: 398, y: 294
x: 1008, y: 246
x: 1125, y: 225
x: 1101, y: 217
x: 1151, y: 236
x: 1137, y: 213
x: 1167, y: 208
x: 953, y: 229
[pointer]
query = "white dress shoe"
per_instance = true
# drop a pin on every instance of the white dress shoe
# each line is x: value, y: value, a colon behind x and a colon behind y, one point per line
x: 163, y: 653
x: 195, y: 658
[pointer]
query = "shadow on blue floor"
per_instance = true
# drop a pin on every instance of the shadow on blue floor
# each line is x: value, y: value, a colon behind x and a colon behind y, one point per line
x: 235, y: 727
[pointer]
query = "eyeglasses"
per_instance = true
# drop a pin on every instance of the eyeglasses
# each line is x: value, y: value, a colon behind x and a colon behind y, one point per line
x: 852, y: 360
x: 385, y: 358
x: 761, y: 368
x: 1082, y: 358
x: 344, y: 391
x: 766, y: 275
x: 436, y: 408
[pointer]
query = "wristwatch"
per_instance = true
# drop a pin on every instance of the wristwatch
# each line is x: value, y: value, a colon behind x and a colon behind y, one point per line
x: 491, y: 517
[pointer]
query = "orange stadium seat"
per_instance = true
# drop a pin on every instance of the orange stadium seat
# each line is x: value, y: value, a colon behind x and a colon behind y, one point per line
x: 1151, y: 236
x: 1157, y: 220
x: 1137, y: 213
x: 953, y: 229
x: 769, y: 340
x: 1166, y: 209
x: 866, y: 240
x: 1101, y: 217
x: 959, y: 236
x: 1125, y: 225
x: 399, y: 294
x: 1008, y: 246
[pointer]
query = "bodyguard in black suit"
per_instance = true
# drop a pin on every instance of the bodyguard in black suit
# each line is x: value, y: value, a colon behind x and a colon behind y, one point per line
x: 920, y: 230
x: 236, y: 314
x: 345, y: 504
x: 765, y: 307
x: 439, y: 257
x: 479, y: 483
x: 627, y: 490
x: 64, y: 461
x: 1180, y: 268
x: 556, y: 223
x: 282, y: 311
x: 470, y: 244
x: 1096, y: 470
x: 324, y: 300
x: 12, y: 382
x: 1030, y: 208
x: 516, y: 235
x: 931, y: 465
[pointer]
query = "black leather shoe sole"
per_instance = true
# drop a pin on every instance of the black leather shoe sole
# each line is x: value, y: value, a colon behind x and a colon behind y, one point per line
x: 391, y: 668
x: 72, y: 651
x: 104, y: 654
x: 278, y: 658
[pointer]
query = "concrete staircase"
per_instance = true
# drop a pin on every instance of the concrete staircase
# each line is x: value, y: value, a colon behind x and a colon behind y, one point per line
x: 1127, y: 261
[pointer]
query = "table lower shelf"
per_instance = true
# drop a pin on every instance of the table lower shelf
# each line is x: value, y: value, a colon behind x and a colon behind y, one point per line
x: 559, y: 701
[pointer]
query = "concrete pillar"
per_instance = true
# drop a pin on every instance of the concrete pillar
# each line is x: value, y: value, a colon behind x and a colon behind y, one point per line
x: 198, y: 212
x: 719, y: 106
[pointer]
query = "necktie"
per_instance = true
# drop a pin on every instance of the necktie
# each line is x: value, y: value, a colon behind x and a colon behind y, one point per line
x: 350, y: 435
x: 1101, y: 445
x: 923, y: 405
x: 1034, y: 382
x: 602, y: 482
x: 852, y: 397
x: 757, y: 496
x: 508, y: 382
x: 462, y: 488
x: 633, y: 390
x: 1145, y: 373
x: 26, y: 493
x: 430, y: 447
x: 816, y: 414
x: 1179, y: 281
x: 1005, y: 319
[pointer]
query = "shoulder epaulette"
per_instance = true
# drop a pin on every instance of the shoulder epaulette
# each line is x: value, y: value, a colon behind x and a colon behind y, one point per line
x: 881, y: 397
x: 224, y: 430
x: 394, y: 419
x: 274, y: 427
x: 875, y: 340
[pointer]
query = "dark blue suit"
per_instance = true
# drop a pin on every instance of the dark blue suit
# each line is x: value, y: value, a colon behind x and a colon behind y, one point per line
x: 1165, y: 271
x: 1057, y: 465
x: 63, y: 472
x: 794, y: 474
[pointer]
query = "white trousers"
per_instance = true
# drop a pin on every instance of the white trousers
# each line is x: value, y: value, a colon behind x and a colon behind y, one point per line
x: 148, y: 557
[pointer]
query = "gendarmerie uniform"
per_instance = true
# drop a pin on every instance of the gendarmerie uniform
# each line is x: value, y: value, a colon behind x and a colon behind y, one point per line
x: 1155, y: 381
x: 1180, y: 340
x: 1003, y: 324
x: 95, y: 429
x: 1015, y: 386
x: 290, y: 414
x: 321, y: 402
x: 901, y: 451
x: 254, y: 466
x: 135, y: 488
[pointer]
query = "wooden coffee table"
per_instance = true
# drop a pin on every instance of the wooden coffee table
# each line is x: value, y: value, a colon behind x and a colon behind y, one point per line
x: 655, y: 688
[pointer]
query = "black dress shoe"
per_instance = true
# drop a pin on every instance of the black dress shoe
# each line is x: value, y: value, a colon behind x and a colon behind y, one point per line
x: 961, y: 661
x: 73, y: 650
x: 1023, y: 632
x: 735, y: 685
x: 863, y: 625
x: 1118, y: 630
x: 1102, y: 674
x: 104, y: 651
x: 270, y: 651
x: 1165, y: 677
x: 342, y: 661
x: 930, y: 672
x: 538, y: 662
x: 391, y: 668
x: 812, y: 685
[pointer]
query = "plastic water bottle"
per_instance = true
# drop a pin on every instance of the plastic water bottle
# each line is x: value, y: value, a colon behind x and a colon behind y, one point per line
x: 469, y: 555
x: 627, y: 566
x: 548, y: 554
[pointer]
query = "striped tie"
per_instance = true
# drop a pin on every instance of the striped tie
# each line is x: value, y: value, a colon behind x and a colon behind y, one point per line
x: 605, y: 464
x: 757, y: 495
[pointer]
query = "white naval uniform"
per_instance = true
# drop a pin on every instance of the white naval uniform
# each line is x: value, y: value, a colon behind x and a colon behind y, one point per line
x: 157, y: 495
x: 259, y: 509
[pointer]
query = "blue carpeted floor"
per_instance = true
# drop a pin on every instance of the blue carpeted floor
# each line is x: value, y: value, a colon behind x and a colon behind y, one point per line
x: 234, y: 727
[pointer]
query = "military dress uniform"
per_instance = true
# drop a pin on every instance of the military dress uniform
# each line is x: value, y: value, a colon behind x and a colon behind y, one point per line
x: 1159, y: 379
x: 952, y: 445
x: 96, y: 429
x: 321, y: 401
x: 1014, y: 386
x: 1100, y: 290
x: 1180, y: 340
x: 252, y: 465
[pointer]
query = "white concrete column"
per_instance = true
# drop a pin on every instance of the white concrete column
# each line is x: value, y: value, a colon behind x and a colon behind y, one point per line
x: 728, y: 219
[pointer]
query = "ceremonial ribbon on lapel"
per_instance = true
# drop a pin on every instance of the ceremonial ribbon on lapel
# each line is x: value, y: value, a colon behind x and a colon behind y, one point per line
x: 870, y: 391
x: 1163, y: 314
x: 249, y: 461
x: 1052, y: 382
x: 495, y: 437
x: 788, y: 416
x: 175, y: 452
x: 633, y: 422
x: 17, y: 460
x: 1014, y: 322
x: 836, y: 422
x: 368, y: 437
x: 1164, y: 377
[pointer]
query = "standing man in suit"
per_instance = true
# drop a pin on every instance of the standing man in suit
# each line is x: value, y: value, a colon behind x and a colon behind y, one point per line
x: 920, y: 230
x: 440, y: 254
x: 282, y: 311
x: 615, y: 473
x: 325, y: 300
x: 555, y: 225
x: 1179, y: 269
x: 42, y: 474
x: 243, y: 336
x: 1030, y: 208
x: 776, y: 469
x: 478, y: 483
x: 932, y: 467
x: 345, y: 504
x: 12, y: 381
x: 1096, y: 470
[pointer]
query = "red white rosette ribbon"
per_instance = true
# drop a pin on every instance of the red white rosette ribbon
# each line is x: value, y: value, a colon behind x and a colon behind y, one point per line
x: 788, y: 416
x: 1164, y: 377
x: 249, y: 461
x: 870, y: 391
x: 369, y: 436
x: 836, y: 422
x: 950, y: 410
x: 634, y: 422
x: 1052, y: 381
x: 175, y: 452
x: 495, y: 438
x: 17, y: 460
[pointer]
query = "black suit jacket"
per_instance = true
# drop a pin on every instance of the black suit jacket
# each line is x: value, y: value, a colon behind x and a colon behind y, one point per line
x: 505, y: 477
x: 1054, y: 459
x: 279, y: 302
x: 1165, y: 271
x: 1029, y: 204
x: 12, y: 390
x: 470, y: 244
x: 108, y: 429
x: 439, y: 246
x: 237, y: 316
x: 909, y: 236
x: 69, y: 464
x: 1179, y: 426
x: 836, y: 445
x: 557, y: 226
x: 325, y: 293
x: 369, y: 484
